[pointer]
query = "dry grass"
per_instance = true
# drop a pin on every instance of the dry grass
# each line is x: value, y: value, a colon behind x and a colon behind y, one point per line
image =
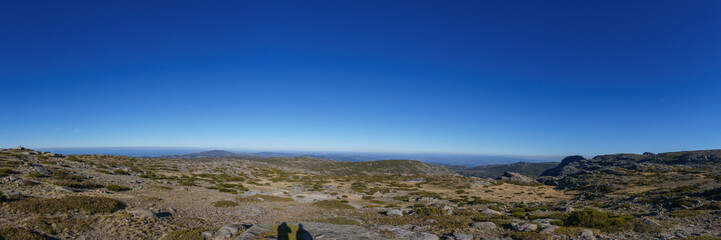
x: 19, y: 234
x: 67, y: 204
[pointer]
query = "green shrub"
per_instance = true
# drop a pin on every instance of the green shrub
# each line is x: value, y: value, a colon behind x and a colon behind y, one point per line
x: 518, y: 213
x: 224, y: 203
x: 3, y: 197
x: 120, y: 172
x: 592, y: 218
x: 332, y: 204
x: 117, y: 188
x: 429, y: 211
x: 68, y: 203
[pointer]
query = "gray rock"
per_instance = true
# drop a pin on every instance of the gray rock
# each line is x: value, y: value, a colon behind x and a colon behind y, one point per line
x: 587, y: 234
x: 10, y: 179
x: 409, y: 235
x: 448, y: 209
x: 550, y: 229
x: 516, y: 178
x: 490, y: 211
x: 334, y: 231
x: 64, y: 189
x: 252, y: 233
x: 207, y: 234
x: 228, y: 231
x: 461, y: 236
x: 144, y: 213
x: 41, y: 170
x: 484, y: 226
x: 651, y: 222
x: 524, y: 227
x: 394, y: 212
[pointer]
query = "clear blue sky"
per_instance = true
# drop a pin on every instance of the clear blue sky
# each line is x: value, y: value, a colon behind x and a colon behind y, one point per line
x: 501, y: 77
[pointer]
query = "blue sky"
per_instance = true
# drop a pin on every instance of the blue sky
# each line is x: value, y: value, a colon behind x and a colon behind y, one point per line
x: 501, y: 77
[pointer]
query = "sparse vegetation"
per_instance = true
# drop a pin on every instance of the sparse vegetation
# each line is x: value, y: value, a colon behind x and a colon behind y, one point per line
x: 224, y: 203
x: 69, y: 203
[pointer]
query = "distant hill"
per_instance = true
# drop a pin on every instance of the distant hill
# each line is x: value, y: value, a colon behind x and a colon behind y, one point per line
x: 494, y: 171
x: 381, y: 167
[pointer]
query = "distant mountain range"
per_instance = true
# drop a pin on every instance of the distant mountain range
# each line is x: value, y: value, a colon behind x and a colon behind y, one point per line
x: 496, y: 170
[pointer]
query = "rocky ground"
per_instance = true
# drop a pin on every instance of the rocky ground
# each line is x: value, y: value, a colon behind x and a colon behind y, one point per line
x: 652, y: 196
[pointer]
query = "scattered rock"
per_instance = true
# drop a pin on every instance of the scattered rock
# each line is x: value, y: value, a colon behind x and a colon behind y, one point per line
x: 40, y: 170
x: 228, y: 231
x: 143, y: 212
x: 524, y: 227
x: 490, y: 211
x: 394, y: 212
x: 587, y: 234
x: 207, y: 234
x: 254, y: 232
x: 651, y: 222
x: 516, y: 178
x: 459, y: 236
x: 64, y: 189
x: 10, y: 179
x: 448, y: 209
x: 550, y: 229
x: 484, y: 226
x: 409, y: 235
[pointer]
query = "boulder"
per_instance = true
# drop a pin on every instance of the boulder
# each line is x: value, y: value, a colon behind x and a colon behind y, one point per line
x: 483, y: 226
x: 10, y: 179
x: 207, y: 234
x: 253, y: 232
x: 394, y: 212
x: 516, y: 178
x: 335, y: 231
x: 64, y: 189
x: 40, y: 170
x: 228, y: 231
x: 490, y: 211
x: 550, y: 229
x: 143, y: 213
x: 459, y: 236
x: 587, y: 234
x: 524, y: 227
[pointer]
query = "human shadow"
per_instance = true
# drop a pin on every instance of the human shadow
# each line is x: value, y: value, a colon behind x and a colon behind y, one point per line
x: 284, y: 231
x: 302, y: 234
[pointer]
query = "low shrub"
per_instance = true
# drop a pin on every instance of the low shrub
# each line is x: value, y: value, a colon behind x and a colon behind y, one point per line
x: 261, y: 198
x: 5, y: 172
x: 224, y: 203
x: 117, y: 188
